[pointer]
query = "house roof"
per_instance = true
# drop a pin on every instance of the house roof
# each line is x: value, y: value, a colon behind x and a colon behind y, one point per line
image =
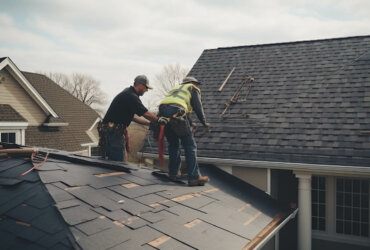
x: 70, y: 110
x: 8, y: 114
x: 73, y: 201
x: 16, y: 73
x: 309, y: 102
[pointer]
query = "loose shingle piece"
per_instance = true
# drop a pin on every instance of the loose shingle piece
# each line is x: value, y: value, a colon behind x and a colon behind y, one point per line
x: 72, y: 205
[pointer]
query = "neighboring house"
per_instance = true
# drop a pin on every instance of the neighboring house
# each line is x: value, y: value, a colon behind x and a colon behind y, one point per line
x: 35, y: 111
x: 293, y: 119
x: 77, y: 202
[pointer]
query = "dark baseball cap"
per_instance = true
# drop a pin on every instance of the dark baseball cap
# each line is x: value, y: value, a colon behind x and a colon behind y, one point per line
x: 142, y: 79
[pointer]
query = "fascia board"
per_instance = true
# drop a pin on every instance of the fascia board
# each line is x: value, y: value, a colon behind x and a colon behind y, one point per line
x: 305, y: 167
x: 27, y: 86
x: 16, y: 125
x: 93, y: 125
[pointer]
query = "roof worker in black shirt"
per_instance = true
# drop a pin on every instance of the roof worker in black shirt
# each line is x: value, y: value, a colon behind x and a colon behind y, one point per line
x: 125, y: 107
x: 174, y: 109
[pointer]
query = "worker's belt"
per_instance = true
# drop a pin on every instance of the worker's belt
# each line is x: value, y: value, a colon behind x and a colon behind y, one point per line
x: 178, y: 122
x: 117, y: 128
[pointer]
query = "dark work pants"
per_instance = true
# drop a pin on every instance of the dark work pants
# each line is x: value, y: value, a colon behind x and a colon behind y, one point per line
x: 116, y: 148
x: 174, y: 152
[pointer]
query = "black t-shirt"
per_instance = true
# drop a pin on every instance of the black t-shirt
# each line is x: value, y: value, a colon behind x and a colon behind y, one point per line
x: 124, y: 106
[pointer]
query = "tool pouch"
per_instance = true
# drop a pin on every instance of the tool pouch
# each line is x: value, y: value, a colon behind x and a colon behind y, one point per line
x: 180, y: 126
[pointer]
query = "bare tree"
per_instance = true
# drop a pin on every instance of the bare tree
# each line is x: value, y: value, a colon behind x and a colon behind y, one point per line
x: 83, y: 87
x: 170, y: 76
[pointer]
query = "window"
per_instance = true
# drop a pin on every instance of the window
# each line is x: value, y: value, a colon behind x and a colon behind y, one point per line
x: 352, y: 206
x: 318, y: 203
x: 8, y: 137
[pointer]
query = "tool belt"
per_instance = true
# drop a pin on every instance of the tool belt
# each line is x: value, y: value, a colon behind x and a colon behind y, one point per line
x: 118, y: 129
x: 179, y: 123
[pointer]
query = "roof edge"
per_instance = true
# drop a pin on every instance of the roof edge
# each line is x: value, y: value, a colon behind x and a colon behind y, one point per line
x: 263, y: 242
x: 28, y: 86
x: 292, y: 42
x: 318, y: 168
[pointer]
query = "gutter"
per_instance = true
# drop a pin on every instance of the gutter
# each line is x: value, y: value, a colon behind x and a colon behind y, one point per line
x: 276, y: 230
x: 317, y: 168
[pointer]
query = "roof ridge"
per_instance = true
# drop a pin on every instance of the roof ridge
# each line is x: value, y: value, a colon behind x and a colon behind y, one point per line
x: 291, y: 42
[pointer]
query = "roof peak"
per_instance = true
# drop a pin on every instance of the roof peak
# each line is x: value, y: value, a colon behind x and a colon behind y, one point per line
x: 292, y: 42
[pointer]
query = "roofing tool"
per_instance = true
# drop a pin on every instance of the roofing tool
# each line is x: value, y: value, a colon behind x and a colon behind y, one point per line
x: 227, y: 78
x: 248, y: 81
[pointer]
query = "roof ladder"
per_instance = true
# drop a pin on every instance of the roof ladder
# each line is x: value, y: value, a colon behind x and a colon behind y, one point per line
x: 248, y: 81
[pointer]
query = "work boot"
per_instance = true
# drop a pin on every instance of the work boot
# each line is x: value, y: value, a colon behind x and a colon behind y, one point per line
x: 198, y: 182
x: 173, y: 178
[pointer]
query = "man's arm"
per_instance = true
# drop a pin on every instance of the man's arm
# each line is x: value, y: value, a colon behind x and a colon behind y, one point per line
x: 196, y: 103
x: 149, y: 117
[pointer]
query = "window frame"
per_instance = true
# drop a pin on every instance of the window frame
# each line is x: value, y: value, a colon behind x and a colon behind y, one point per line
x: 19, y: 135
x: 330, y: 233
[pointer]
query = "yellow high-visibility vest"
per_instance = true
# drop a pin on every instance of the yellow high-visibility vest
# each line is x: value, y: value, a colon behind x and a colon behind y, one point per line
x: 180, y: 95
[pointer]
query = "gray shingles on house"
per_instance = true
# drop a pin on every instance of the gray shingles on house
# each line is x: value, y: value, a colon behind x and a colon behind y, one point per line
x: 309, y: 102
x: 61, y: 205
x: 78, y: 116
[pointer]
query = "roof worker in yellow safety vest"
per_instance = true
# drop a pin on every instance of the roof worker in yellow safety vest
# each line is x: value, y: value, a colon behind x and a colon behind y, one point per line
x: 175, y: 108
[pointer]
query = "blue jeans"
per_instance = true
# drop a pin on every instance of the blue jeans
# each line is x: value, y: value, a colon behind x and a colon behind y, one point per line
x: 116, y: 148
x: 188, y: 143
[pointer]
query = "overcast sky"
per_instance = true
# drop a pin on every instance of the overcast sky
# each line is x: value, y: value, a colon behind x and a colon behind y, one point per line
x: 115, y: 40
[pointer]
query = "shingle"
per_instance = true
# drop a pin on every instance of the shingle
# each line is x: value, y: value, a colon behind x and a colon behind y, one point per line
x: 95, y: 226
x: 79, y: 214
x: 105, y: 239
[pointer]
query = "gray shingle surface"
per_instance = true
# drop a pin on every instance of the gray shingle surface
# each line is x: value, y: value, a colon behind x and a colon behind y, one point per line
x: 309, y: 102
x: 79, y: 116
x: 126, y: 215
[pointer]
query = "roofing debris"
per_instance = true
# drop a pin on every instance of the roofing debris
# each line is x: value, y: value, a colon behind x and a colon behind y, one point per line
x: 69, y: 202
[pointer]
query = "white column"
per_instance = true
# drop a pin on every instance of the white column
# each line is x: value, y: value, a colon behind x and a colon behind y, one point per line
x: 304, y: 212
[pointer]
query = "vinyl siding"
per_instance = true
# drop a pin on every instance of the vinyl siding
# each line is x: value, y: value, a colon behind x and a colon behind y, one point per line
x: 13, y: 94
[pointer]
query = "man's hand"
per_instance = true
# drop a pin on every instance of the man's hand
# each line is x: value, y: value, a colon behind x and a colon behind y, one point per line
x: 208, y: 126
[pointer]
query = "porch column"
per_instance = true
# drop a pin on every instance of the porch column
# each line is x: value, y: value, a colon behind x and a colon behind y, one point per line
x: 304, y: 212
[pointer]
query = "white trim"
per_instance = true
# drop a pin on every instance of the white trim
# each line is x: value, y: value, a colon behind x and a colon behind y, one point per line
x: 276, y: 230
x: 79, y: 152
x: 55, y: 124
x: 17, y: 132
x: 14, y: 124
x: 96, y: 121
x: 23, y: 137
x: 89, y: 144
x: 268, y: 179
x: 360, y: 171
x: 28, y: 86
x: 305, y: 213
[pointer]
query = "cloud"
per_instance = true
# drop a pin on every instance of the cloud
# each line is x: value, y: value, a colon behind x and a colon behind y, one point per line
x: 113, y: 41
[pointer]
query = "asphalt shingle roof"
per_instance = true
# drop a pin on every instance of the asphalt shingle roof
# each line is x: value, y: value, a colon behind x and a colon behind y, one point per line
x: 73, y: 201
x: 309, y: 102
x: 79, y: 116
